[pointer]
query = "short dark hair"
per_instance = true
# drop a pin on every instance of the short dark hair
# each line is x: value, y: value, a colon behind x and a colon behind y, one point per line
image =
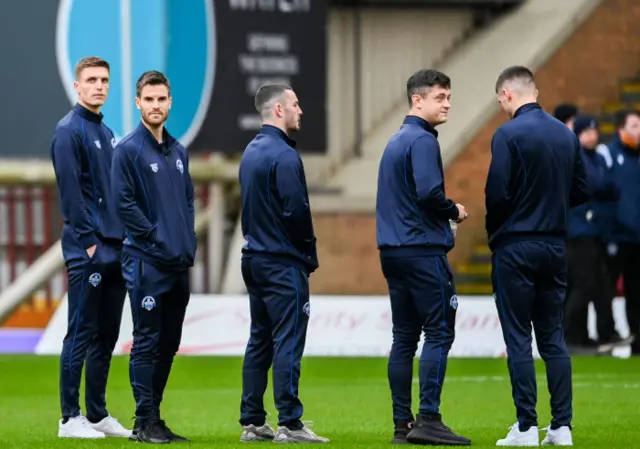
x: 90, y: 61
x: 565, y: 111
x: 152, y: 78
x: 620, y: 117
x: 425, y: 79
x: 515, y: 72
x: 267, y: 93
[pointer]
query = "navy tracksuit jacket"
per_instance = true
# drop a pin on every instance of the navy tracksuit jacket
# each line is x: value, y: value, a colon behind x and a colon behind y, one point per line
x: 81, y: 154
x: 536, y: 175
x: 623, y: 236
x: 414, y: 236
x: 625, y: 174
x: 154, y: 199
x: 277, y: 260
x: 591, y: 219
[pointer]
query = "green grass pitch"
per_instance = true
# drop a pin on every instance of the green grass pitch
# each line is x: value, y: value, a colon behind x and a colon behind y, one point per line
x: 347, y: 399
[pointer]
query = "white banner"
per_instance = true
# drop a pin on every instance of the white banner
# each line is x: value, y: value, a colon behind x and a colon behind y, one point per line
x: 338, y: 326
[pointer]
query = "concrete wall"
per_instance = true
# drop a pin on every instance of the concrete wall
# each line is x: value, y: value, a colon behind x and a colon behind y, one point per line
x: 585, y: 69
x: 393, y: 45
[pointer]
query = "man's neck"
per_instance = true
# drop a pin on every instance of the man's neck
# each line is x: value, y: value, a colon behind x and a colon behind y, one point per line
x: 522, y: 101
x: 94, y: 109
x: 280, y: 127
x: 156, y: 131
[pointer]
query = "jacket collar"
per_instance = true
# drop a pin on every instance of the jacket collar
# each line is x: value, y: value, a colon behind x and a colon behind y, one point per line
x: 167, y: 139
x: 527, y: 108
x: 87, y: 114
x: 422, y: 123
x: 274, y: 131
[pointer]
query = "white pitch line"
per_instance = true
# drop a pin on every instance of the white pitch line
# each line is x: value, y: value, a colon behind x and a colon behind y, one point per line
x: 486, y: 379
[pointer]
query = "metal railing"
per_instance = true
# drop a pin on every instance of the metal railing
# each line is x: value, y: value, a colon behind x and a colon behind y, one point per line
x: 31, y: 264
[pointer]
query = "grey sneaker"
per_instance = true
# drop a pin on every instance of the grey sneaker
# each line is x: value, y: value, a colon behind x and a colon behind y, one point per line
x: 304, y: 435
x: 254, y: 433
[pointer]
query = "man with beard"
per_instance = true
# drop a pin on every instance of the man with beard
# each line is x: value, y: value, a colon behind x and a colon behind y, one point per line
x: 277, y: 260
x: 154, y: 196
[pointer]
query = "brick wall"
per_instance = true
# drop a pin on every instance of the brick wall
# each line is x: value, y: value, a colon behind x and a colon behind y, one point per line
x: 349, y: 262
x: 585, y: 70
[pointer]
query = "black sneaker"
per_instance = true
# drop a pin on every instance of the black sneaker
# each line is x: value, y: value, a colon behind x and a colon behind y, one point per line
x: 172, y: 436
x: 400, y: 432
x: 429, y: 430
x: 153, y: 432
x: 135, y: 430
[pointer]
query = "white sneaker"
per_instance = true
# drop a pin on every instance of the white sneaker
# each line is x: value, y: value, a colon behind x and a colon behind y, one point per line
x: 111, y: 428
x: 515, y: 438
x: 78, y: 427
x: 558, y: 437
x: 304, y: 435
x: 255, y: 433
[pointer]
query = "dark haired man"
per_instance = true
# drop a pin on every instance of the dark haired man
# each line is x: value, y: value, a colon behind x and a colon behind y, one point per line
x: 536, y: 175
x: 414, y: 235
x: 154, y: 197
x: 566, y: 113
x: 277, y: 260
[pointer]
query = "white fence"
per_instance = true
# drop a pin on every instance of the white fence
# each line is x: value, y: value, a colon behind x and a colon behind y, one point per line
x: 346, y: 326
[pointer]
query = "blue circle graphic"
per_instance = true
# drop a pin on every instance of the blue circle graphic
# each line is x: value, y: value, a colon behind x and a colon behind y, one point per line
x: 176, y: 37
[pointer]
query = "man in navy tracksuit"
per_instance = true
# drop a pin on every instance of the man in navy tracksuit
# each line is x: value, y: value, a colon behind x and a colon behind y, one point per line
x: 624, y: 235
x: 154, y: 197
x: 92, y: 236
x: 587, y: 275
x: 277, y: 260
x: 536, y: 175
x: 414, y: 236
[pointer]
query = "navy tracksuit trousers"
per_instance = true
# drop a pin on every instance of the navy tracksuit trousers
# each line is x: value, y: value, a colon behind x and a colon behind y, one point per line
x: 159, y: 300
x: 279, y: 305
x: 95, y: 298
x: 423, y: 299
x: 529, y: 280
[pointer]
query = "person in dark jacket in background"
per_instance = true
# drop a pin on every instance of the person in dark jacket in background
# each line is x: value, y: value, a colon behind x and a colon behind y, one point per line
x: 623, y: 236
x: 277, y: 260
x: 92, y: 236
x: 414, y: 236
x: 154, y: 196
x: 566, y: 113
x: 587, y: 273
x: 536, y: 175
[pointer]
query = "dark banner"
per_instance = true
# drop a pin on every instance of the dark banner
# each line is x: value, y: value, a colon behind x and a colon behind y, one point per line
x: 218, y: 54
x: 259, y: 42
x: 427, y: 3
x: 33, y: 98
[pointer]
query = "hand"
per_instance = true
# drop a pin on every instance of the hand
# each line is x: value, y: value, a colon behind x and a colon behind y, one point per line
x: 91, y: 250
x: 462, y: 213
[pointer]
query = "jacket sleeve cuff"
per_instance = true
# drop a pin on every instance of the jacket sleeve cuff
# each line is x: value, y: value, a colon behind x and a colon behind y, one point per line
x: 88, y: 240
x: 452, y: 212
